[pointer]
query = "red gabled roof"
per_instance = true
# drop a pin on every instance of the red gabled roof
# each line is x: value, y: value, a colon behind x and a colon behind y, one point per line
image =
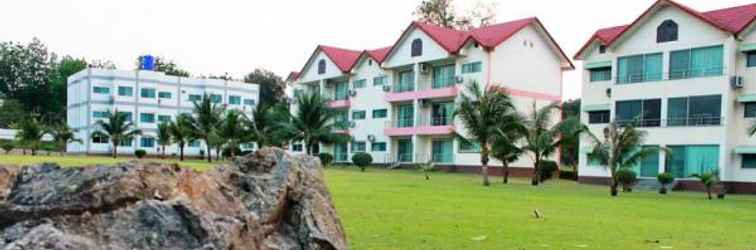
x: 732, y: 20
x: 492, y: 36
x: 343, y: 58
x: 379, y: 54
x: 292, y: 76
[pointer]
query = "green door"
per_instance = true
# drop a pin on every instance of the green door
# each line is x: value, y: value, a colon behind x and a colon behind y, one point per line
x: 441, y: 113
x: 340, y: 152
x: 442, y: 151
x: 650, y: 165
x: 405, y: 150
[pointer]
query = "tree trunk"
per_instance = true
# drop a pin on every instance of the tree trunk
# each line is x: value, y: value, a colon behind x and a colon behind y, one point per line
x: 708, y: 192
x: 162, y: 148
x: 505, y: 175
x: 209, y: 152
x: 217, y: 153
x: 484, y: 167
x: 536, y: 175
x: 115, y: 150
x: 181, y: 152
x: 613, y: 188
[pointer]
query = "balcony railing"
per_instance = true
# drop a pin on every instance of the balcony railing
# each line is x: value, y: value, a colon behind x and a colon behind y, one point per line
x: 702, y: 121
x: 672, y: 75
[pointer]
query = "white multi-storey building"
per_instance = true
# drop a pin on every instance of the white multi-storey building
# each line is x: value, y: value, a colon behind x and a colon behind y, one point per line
x: 689, y: 78
x: 398, y: 101
x: 148, y: 98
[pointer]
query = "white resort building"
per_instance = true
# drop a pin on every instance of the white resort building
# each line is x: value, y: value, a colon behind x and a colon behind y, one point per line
x: 397, y: 101
x: 148, y: 98
x: 689, y: 77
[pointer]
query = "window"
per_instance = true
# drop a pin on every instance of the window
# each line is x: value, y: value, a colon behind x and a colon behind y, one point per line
x: 694, y: 111
x: 359, y: 83
x: 380, y: 113
x: 341, y: 121
x: 473, y: 67
x: 442, y: 151
x: 101, y: 90
x: 148, y: 93
x: 685, y: 160
x: 321, y: 67
x: 601, y: 74
x: 406, y: 81
x: 599, y: 117
x: 128, y: 115
x: 297, y: 147
x: 147, y: 142
x: 441, y: 113
x: 749, y: 161
x: 639, y: 68
x: 125, y: 91
x: 647, y: 112
x: 602, y: 49
x: 195, y: 98
x: 100, y: 114
x: 234, y: 100
x: 126, y: 143
x: 249, y: 102
x: 147, y: 117
x: 404, y: 150
x: 298, y: 92
x: 417, y: 47
x: 378, y: 146
x: 750, y: 110
x: 100, y: 139
x: 594, y: 160
x: 194, y: 144
x: 406, y: 116
x: 164, y: 95
x: 666, y: 32
x: 751, y: 59
x: 341, y: 91
x: 469, y: 146
x: 697, y: 62
x: 379, y: 81
x: 340, y: 152
x: 358, y: 146
x: 164, y: 118
x: 216, y: 98
x: 443, y: 76
x: 358, y: 115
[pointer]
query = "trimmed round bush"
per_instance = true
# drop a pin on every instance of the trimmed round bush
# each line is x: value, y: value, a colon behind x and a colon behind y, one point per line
x: 664, y: 179
x: 362, y: 160
x: 547, y: 169
x: 325, y: 159
x: 627, y: 179
x: 140, y: 153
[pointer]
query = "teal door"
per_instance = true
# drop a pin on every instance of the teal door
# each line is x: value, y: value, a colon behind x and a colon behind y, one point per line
x: 340, y: 152
x: 406, y: 116
x: 442, y: 151
x: 404, y: 150
x: 650, y: 165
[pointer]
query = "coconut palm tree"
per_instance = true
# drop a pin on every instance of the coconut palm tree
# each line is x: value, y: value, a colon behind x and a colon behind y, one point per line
x: 708, y: 179
x: 30, y: 133
x: 205, y: 121
x: 505, y: 146
x: 543, y: 137
x: 62, y: 135
x: 118, y: 128
x: 313, y: 123
x: 163, y: 136
x: 181, y: 133
x: 233, y: 132
x: 621, y: 147
x: 263, y: 127
x: 482, y: 112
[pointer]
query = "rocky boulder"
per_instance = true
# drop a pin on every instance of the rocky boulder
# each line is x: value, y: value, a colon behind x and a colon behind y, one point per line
x: 267, y: 200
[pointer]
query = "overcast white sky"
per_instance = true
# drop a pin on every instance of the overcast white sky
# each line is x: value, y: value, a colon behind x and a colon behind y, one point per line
x: 217, y: 36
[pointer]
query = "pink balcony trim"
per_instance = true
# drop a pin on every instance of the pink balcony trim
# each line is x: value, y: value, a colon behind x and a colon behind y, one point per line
x: 427, y: 130
x: 422, y: 94
x: 340, y: 104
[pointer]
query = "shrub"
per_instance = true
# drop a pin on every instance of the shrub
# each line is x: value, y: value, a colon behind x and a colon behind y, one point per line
x: 627, y: 179
x: 140, y: 153
x: 664, y: 179
x: 227, y: 151
x: 7, y: 147
x: 325, y: 159
x: 362, y: 160
x: 547, y: 169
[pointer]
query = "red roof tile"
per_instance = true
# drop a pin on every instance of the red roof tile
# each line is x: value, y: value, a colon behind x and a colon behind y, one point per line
x: 492, y: 36
x: 733, y: 20
x: 343, y: 58
x: 379, y: 54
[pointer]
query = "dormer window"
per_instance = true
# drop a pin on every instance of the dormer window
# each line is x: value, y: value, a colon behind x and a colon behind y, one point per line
x: 666, y: 32
x: 417, y: 47
x: 321, y: 67
x: 602, y: 49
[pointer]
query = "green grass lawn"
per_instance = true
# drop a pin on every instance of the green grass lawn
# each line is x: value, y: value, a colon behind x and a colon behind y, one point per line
x: 384, y: 209
x: 80, y: 160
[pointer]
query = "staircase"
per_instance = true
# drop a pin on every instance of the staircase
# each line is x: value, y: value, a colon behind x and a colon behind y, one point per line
x: 647, y: 184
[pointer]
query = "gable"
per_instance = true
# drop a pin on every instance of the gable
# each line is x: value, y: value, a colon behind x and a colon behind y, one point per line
x: 400, y: 54
x: 310, y: 71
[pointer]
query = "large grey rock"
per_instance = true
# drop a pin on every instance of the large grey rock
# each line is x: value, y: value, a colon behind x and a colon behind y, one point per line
x: 268, y: 200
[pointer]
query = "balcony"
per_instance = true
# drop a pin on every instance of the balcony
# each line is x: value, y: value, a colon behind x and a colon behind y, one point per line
x: 400, y: 93
x: 700, y: 121
x: 670, y: 76
x: 338, y: 101
x: 425, y: 126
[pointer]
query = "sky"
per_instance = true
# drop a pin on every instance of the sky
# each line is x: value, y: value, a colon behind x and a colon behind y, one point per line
x: 224, y: 36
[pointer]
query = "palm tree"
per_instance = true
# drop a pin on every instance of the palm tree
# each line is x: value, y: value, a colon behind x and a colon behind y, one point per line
x: 263, y: 127
x: 30, y: 133
x: 313, y: 123
x: 62, y: 135
x: 205, y: 121
x: 163, y: 136
x: 233, y: 131
x: 118, y: 128
x: 181, y: 133
x: 482, y: 113
x: 543, y: 139
x: 708, y: 179
x: 622, y: 147
x: 505, y: 146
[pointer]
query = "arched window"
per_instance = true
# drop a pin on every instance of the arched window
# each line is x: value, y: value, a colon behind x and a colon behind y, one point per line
x: 417, y: 47
x: 666, y: 32
x: 321, y: 67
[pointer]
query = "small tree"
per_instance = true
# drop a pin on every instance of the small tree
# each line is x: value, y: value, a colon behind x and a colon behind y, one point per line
x: 62, y: 135
x: 7, y: 147
x: 118, y: 128
x: 140, y: 153
x: 30, y: 134
x: 709, y: 180
x: 326, y: 159
x: 163, y: 137
x: 627, y: 179
x: 181, y: 133
x: 664, y: 179
x: 362, y: 160
x: 205, y: 122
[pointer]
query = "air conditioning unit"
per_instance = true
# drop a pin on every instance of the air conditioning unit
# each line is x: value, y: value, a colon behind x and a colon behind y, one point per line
x: 459, y: 79
x: 737, y: 82
x: 386, y: 88
x: 425, y: 102
x: 111, y: 100
x: 352, y: 124
x: 609, y: 92
x: 424, y: 68
x: 371, y: 138
x: 352, y: 93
